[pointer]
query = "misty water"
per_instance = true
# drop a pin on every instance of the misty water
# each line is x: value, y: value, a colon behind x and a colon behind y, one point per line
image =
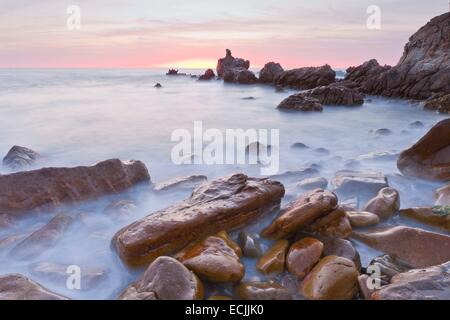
x: 80, y: 117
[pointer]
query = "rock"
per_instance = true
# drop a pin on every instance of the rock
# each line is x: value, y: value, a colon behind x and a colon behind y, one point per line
x: 334, y: 225
x: 422, y: 71
x: 362, y: 219
x: 428, y: 216
x: 167, y: 279
x: 443, y: 196
x: 158, y: 85
x: 337, y: 95
x: 215, y: 259
x: 261, y: 291
x: 341, y: 248
x: 299, y: 102
x: 224, y: 204
x: 313, y: 183
x: 188, y: 183
x: 19, y: 287
x: 48, y: 188
x: 19, y: 157
x: 239, y: 75
x: 322, y: 151
x: 383, y: 132
x: 208, y: 75
x: 229, y: 62
x: 273, y: 261
x: 379, y: 156
x: 299, y: 145
x: 57, y: 274
x: 416, y: 124
x: 42, y: 239
x: 385, y: 204
x: 429, y: 158
x: 432, y: 283
x: 441, y: 104
x: 270, y: 72
x: 120, y: 210
x: 364, y: 290
x: 173, y: 72
x: 249, y: 244
x: 416, y: 247
x: 389, y: 266
x: 300, y: 213
x: 303, y: 255
x: 333, y: 278
x: 306, y: 78
x: 358, y: 184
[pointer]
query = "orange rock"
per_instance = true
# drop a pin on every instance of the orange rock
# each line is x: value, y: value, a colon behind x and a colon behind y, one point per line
x: 273, y: 260
x: 303, y: 255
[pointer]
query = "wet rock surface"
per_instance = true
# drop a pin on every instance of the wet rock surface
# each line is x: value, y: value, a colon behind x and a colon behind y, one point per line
x: 274, y: 259
x: 360, y: 184
x: 300, y: 102
x: 19, y: 157
x: 385, y: 204
x: 303, y: 255
x: 443, y: 196
x: 313, y: 183
x: 19, y: 287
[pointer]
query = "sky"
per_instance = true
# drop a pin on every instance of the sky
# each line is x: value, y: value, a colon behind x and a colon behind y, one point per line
x: 195, y: 33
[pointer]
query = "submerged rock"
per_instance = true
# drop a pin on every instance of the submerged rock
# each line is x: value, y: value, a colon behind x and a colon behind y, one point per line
x: 19, y: 287
x: 270, y: 72
x: 335, y: 225
x: 299, y: 102
x: 341, y: 248
x: 49, y: 188
x: 306, y: 78
x: 313, y: 183
x: 303, y: 255
x: 19, y: 157
x: 337, y: 95
x: 441, y: 104
x: 239, y: 75
x: 385, y: 204
x: 165, y: 279
x: 429, y: 158
x: 262, y: 291
x: 273, y: 260
x: 224, y: 204
x: 358, y: 184
x: 416, y: 247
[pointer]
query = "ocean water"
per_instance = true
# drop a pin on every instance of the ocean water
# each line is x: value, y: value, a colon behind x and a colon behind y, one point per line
x: 80, y: 117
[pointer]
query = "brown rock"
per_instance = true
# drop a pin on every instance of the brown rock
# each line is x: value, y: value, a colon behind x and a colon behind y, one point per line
x: 227, y: 203
x: 334, y: 225
x: 180, y: 183
x: 416, y: 247
x: 428, y: 216
x: 300, y: 213
x: 385, y: 204
x: 48, y: 188
x: 441, y: 104
x: 336, y: 95
x: 341, y: 248
x: 300, y: 102
x: 429, y: 158
x: 333, y: 278
x: 229, y: 62
x: 214, y: 259
x: 274, y: 259
x: 306, y: 78
x: 364, y: 290
x: 165, y: 279
x: 18, y: 157
x: 313, y: 183
x: 19, y: 287
x: 208, y: 75
x: 362, y: 219
x: 43, y: 239
x: 443, y: 196
x: 262, y: 291
x: 270, y: 72
x: 239, y: 75
x: 303, y: 255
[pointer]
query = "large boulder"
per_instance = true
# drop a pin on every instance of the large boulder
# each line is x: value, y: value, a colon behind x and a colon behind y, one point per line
x: 274, y: 259
x: 440, y: 104
x: 306, y: 78
x: 270, y: 72
x: 429, y: 158
x: 229, y: 62
x: 165, y: 279
x: 19, y: 157
x: 224, y: 204
x: 48, y: 188
x: 416, y: 247
x: 423, y: 70
x: 336, y: 95
x: 19, y: 287
x: 300, y: 102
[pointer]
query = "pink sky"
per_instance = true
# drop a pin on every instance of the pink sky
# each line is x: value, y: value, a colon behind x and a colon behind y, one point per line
x: 139, y: 33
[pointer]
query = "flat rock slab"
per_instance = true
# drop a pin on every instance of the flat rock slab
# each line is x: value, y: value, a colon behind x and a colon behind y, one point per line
x: 223, y: 204
x: 49, y: 188
x: 350, y: 183
x: 19, y: 287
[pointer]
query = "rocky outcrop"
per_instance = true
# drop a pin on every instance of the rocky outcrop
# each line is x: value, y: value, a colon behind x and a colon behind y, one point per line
x: 416, y: 247
x: 270, y: 72
x: 223, y: 204
x: 429, y: 158
x: 48, y: 188
x: 443, y: 196
x: 432, y: 283
x: 440, y: 104
x: 336, y: 95
x: 423, y: 70
x: 306, y: 78
x: 229, y: 62
x: 165, y: 279
x: 19, y: 287
x: 19, y: 157
x: 300, y: 102
x: 341, y: 248
x: 208, y: 75
x: 335, y: 225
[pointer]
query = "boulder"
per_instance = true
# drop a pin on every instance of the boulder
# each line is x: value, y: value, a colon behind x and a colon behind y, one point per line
x: 349, y: 183
x: 239, y: 75
x: 441, y: 104
x: 431, y: 283
x: 336, y: 95
x: 230, y: 62
x: 261, y: 291
x: 341, y: 248
x: 385, y: 204
x: 208, y: 75
x: 300, y: 213
x: 334, y: 225
x: 430, y: 216
x: 223, y: 204
x: 19, y: 157
x: 19, y: 287
x: 273, y: 261
x: 443, y: 196
x: 415, y: 247
x: 48, y: 188
x: 303, y: 255
x: 362, y: 219
x: 333, y: 278
x: 300, y: 102
x: 270, y: 72
x: 187, y: 183
x: 215, y: 259
x: 306, y: 78
x: 43, y: 239
x: 429, y: 158
x: 165, y: 279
